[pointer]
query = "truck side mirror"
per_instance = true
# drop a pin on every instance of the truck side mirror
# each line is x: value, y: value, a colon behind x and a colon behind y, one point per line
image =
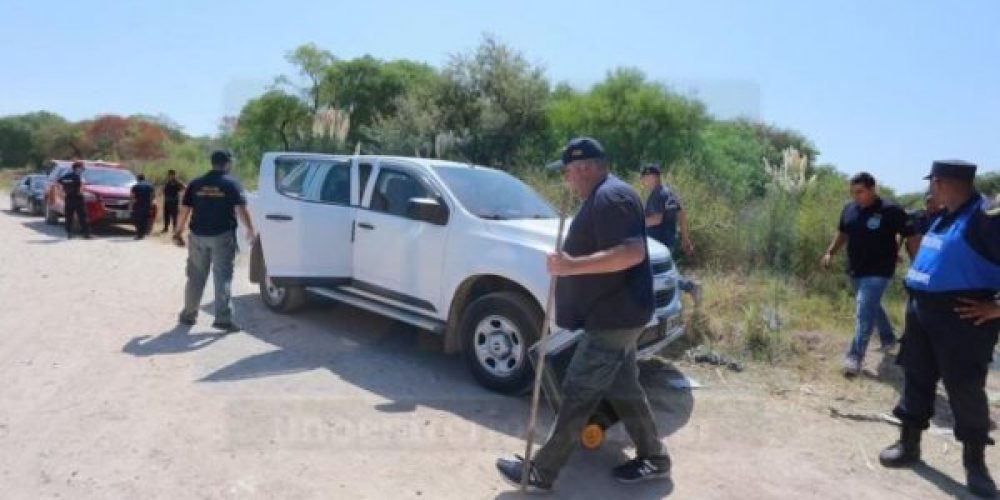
x: 427, y: 210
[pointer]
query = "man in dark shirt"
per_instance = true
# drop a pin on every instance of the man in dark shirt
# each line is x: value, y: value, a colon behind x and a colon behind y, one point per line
x: 72, y: 186
x: 664, y: 214
x: 211, y: 202
x: 604, y: 286
x: 870, y: 227
x: 142, y: 203
x: 923, y: 219
x: 952, y: 322
x: 171, y: 199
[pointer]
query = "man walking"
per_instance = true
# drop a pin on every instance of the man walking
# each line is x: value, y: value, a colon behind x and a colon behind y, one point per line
x: 171, y: 199
x: 664, y: 215
x: 73, y: 205
x: 869, y: 226
x: 604, y: 286
x: 952, y: 321
x: 211, y: 202
x: 142, y: 204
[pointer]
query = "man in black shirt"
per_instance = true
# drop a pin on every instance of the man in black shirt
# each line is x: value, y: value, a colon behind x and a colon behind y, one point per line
x: 664, y: 216
x: 171, y: 199
x: 211, y: 202
x: 923, y: 219
x: 870, y: 226
x: 72, y: 186
x: 604, y: 286
x: 142, y: 203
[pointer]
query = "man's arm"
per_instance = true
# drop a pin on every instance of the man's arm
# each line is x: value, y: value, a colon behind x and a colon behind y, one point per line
x: 654, y: 219
x: 182, y: 220
x: 682, y: 221
x: 247, y: 223
x: 617, y: 258
x: 838, y: 242
x: 912, y: 245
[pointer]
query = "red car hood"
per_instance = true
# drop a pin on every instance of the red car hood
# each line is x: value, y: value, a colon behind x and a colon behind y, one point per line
x: 108, y: 191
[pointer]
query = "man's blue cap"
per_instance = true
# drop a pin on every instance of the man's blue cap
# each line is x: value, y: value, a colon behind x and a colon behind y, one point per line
x: 581, y: 148
x: 651, y: 169
x: 221, y: 157
x: 953, y: 169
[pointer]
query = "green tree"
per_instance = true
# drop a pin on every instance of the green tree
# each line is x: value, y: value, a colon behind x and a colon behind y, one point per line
x: 637, y: 121
x: 16, y: 143
x: 312, y: 63
x: 274, y: 121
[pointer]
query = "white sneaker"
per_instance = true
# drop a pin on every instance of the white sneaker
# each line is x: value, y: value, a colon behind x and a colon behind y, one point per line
x: 851, y: 365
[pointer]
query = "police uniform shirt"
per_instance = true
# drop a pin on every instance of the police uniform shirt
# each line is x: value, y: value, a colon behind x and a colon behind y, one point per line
x: 143, y: 193
x: 213, y: 198
x: 71, y: 184
x: 662, y: 200
x: 172, y: 190
x: 871, y: 237
x: 610, y: 216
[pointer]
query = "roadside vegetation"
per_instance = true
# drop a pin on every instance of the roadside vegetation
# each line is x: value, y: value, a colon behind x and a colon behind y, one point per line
x: 761, y: 210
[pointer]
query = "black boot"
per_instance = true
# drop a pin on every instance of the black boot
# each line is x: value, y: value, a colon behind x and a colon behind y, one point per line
x: 904, y: 452
x: 977, y: 476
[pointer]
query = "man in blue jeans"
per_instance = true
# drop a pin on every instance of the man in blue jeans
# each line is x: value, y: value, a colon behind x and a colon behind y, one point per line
x: 871, y: 228
x: 212, y: 202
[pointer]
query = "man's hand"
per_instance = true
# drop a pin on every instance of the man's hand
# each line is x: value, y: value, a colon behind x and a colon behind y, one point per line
x: 978, y: 311
x: 559, y: 264
x: 826, y: 260
x: 687, y: 246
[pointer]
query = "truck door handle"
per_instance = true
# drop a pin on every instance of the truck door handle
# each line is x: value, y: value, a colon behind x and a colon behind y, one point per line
x: 278, y: 217
x: 365, y: 225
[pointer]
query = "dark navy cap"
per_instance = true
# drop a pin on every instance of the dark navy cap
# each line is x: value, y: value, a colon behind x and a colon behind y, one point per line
x: 652, y: 168
x: 221, y: 157
x: 581, y: 148
x: 954, y: 169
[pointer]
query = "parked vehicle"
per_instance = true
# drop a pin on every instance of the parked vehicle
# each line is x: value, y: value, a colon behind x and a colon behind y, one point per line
x: 106, y: 193
x: 29, y: 193
x: 452, y: 248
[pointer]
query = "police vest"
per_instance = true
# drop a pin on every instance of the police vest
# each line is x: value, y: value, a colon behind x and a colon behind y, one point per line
x: 946, y: 262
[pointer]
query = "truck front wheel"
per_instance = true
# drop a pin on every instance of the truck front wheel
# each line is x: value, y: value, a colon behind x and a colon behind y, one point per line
x: 497, y: 329
x: 282, y: 299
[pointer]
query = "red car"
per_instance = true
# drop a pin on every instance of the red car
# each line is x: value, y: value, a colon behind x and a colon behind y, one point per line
x: 106, y: 193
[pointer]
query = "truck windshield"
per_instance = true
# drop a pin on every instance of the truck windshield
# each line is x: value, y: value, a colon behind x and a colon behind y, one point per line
x: 108, y: 177
x: 492, y: 194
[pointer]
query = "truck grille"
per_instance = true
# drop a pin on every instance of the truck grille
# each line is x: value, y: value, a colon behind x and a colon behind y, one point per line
x: 662, y: 266
x: 116, y: 204
x: 665, y: 297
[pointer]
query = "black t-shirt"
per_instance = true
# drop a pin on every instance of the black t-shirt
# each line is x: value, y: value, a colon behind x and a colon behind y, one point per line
x: 922, y: 221
x: 610, y: 216
x: 172, y: 190
x: 71, y: 184
x: 662, y: 200
x: 871, y: 237
x: 143, y: 193
x: 213, y: 198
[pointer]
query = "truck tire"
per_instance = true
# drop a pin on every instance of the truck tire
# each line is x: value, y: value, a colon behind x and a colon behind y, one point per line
x: 497, y: 329
x: 281, y: 299
x: 13, y: 204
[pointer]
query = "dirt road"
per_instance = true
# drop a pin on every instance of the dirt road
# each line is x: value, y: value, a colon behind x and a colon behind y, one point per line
x: 104, y: 397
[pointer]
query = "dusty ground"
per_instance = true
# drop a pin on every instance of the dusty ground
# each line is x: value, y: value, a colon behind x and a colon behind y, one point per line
x: 103, y: 396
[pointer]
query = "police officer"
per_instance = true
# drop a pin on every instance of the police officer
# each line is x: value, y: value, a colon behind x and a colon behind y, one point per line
x: 171, y: 199
x: 72, y: 186
x: 923, y: 219
x: 211, y: 202
x: 951, y: 323
x: 664, y: 216
x: 604, y: 286
x: 142, y: 203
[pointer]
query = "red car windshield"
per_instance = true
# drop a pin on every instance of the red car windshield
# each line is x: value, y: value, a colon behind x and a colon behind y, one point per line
x: 108, y: 177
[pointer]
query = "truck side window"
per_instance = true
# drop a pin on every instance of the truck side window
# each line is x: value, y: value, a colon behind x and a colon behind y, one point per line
x: 364, y: 173
x: 336, y: 187
x: 394, y: 190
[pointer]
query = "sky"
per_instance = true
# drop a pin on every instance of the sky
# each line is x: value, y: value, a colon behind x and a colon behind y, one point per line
x: 880, y: 86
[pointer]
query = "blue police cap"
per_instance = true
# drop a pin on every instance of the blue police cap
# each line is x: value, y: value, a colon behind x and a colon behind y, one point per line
x: 953, y: 169
x: 581, y: 148
x: 652, y: 168
x: 221, y: 157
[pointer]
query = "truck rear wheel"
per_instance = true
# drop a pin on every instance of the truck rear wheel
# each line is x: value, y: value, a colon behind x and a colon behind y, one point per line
x: 282, y: 299
x: 497, y: 329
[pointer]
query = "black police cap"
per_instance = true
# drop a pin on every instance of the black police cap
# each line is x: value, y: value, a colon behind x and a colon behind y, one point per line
x: 581, y: 148
x: 650, y: 169
x: 953, y: 169
x: 220, y: 158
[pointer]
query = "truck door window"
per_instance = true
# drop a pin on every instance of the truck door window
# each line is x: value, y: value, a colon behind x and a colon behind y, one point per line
x: 292, y: 176
x: 394, y: 190
x: 336, y: 187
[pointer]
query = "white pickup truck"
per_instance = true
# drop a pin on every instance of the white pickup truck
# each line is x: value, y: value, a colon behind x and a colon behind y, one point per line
x: 452, y: 248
